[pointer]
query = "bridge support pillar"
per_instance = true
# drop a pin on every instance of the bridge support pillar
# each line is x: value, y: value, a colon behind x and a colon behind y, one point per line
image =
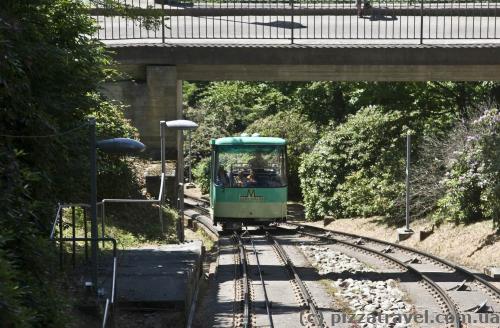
x: 153, y: 93
x: 165, y: 103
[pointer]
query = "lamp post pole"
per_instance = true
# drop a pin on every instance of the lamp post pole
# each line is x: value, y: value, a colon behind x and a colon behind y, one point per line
x: 163, y: 173
x: 408, y: 150
x: 190, y: 159
x: 180, y: 170
x: 112, y: 146
x: 162, y: 145
x: 178, y: 125
x: 93, y: 201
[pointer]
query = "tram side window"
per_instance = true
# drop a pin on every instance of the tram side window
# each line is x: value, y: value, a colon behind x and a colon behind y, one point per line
x: 251, y: 166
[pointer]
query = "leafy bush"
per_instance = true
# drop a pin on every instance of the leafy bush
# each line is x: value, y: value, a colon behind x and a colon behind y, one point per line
x: 300, y: 134
x: 368, y: 192
x: 201, y: 175
x: 347, y: 158
x: 472, y: 180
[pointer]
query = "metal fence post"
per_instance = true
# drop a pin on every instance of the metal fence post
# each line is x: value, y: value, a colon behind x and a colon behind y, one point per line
x: 85, y: 231
x: 421, y: 21
x: 73, y: 233
x: 293, y: 21
x: 61, y: 227
x: 163, y: 21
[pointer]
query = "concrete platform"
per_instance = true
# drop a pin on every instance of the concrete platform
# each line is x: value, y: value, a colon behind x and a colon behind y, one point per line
x: 163, y: 276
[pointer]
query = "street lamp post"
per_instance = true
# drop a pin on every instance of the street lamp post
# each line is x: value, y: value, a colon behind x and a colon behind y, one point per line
x: 93, y: 202
x: 122, y: 146
x: 180, y: 126
x: 406, y: 232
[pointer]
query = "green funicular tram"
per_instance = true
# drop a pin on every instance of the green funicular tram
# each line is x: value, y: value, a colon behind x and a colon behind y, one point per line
x: 248, y: 184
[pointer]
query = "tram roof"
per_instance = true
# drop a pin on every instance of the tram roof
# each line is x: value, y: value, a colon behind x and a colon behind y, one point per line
x: 248, y: 141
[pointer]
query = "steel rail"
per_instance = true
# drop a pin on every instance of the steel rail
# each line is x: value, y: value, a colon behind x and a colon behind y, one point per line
x: 449, y: 303
x: 318, y: 319
x: 411, y: 250
x: 244, y: 276
x: 202, y: 211
x: 266, y: 299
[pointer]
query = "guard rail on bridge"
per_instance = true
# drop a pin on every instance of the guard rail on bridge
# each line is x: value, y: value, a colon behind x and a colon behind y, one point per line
x: 418, y: 20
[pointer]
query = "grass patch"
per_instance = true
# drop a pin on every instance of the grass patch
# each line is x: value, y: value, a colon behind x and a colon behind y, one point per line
x: 202, y: 235
x: 341, y: 304
x: 132, y: 225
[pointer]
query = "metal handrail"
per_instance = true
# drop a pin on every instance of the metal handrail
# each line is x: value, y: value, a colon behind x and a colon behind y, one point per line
x: 58, y: 219
x: 110, y: 302
x: 109, y: 306
x: 159, y: 200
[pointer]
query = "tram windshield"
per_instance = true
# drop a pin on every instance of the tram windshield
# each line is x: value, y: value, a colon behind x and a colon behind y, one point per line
x: 247, y: 166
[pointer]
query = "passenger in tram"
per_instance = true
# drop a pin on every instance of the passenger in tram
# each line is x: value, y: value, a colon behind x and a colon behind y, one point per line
x: 222, y: 177
x: 251, y: 180
x: 240, y: 180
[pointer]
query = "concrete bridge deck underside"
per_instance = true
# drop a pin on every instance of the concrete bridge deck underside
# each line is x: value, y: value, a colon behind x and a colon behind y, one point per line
x: 471, y: 62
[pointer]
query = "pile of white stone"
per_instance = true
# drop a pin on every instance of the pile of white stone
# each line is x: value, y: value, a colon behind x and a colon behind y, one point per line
x: 369, y: 300
x: 327, y: 260
x: 375, y: 304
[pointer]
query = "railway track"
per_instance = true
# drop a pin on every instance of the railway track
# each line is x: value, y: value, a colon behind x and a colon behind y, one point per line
x: 202, y: 217
x: 451, y: 286
x: 444, y: 300
x: 305, y: 296
x: 246, y: 286
x: 463, y: 279
x: 243, y: 287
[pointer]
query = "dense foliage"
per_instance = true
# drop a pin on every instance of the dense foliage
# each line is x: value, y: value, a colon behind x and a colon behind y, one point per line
x: 472, y: 179
x: 343, y: 175
x: 349, y: 141
x: 201, y: 174
x: 49, y: 76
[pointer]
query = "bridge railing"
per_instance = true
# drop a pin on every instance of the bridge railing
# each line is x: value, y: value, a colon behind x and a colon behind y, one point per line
x: 300, y: 19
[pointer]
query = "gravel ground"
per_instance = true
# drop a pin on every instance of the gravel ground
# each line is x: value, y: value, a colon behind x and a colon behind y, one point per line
x: 327, y: 260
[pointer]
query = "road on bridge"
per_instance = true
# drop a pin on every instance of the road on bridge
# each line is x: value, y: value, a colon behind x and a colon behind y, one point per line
x: 404, y: 22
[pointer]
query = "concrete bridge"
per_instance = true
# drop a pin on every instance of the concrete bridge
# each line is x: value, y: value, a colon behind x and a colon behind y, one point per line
x: 431, y: 42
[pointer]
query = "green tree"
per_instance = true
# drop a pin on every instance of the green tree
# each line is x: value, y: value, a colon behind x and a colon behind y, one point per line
x: 300, y: 134
x: 49, y: 76
x: 323, y: 102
